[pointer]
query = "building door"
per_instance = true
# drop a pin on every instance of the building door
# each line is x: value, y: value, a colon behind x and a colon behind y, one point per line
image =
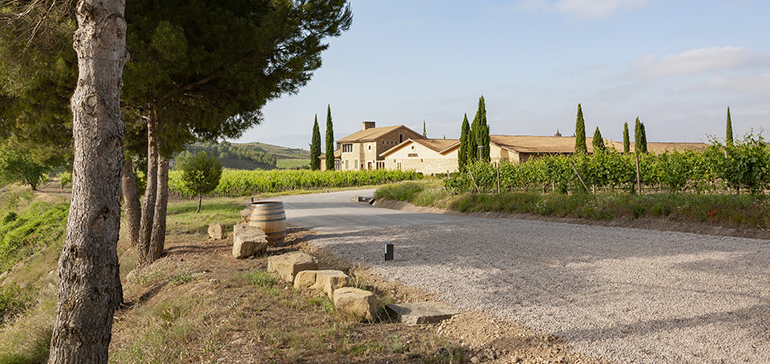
x: 369, y: 165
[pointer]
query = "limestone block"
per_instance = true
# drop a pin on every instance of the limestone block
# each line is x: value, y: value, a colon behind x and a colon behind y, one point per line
x: 420, y: 312
x: 288, y: 265
x: 248, y: 241
x: 245, y: 214
x: 217, y: 231
x: 330, y: 280
x: 305, y: 279
x: 356, y: 301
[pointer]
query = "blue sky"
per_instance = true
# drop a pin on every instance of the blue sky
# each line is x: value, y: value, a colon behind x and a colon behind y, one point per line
x: 675, y: 64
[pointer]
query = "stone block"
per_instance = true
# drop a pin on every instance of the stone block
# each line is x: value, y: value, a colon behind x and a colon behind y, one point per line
x: 420, y: 312
x: 248, y: 241
x: 322, y: 280
x: 305, y: 279
x: 356, y: 301
x: 328, y: 281
x: 217, y: 231
x: 288, y: 265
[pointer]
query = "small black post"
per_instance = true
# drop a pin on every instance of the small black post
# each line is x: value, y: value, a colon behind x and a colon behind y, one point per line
x: 388, y: 251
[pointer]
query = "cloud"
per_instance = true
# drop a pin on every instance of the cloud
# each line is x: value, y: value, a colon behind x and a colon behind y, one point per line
x: 700, y: 60
x: 741, y: 84
x: 596, y: 8
x: 581, y: 8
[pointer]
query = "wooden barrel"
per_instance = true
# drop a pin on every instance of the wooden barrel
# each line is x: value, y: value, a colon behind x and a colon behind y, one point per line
x: 270, y: 217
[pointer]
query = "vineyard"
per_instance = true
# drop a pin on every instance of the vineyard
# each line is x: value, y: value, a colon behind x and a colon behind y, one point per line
x: 243, y: 183
x: 743, y: 167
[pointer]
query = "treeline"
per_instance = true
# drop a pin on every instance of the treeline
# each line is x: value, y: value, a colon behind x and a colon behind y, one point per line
x: 226, y: 150
x: 740, y: 167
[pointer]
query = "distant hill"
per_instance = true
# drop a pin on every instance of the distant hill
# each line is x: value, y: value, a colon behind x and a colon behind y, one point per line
x: 253, y: 155
x: 286, y: 158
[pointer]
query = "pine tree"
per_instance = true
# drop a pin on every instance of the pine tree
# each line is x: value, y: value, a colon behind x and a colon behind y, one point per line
x: 580, y: 133
x: 638, y: 137
x: 644, y: 138
x: 465, y: 139
x: 424, y: 132
x: 315, y: 147
x: 626, y: 140
x: 598, y: 141
x: 329, y: 139
x: 729, y: 131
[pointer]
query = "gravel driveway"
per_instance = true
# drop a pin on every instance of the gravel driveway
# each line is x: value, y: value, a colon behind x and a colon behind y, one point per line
x: 625, y: 295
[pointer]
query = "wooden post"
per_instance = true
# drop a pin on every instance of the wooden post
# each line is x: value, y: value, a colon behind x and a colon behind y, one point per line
x: 498, y: 178
x: 579, y: 177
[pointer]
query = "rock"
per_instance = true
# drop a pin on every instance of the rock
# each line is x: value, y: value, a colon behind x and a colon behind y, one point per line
x: 421, y: 312
x: 475, y: 360
x: 356, y: 301
x: 248, y: 241
x: 288, y: 265
x: 329, y: 281
x: 217, y: 231
x: 322, y: 280
x: 305, y: 279
x: 245, y: 214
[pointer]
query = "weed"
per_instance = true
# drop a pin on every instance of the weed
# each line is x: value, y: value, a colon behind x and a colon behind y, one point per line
x: 262, y: 278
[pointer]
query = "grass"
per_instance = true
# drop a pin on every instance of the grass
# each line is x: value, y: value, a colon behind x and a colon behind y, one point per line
x: 745, y: 211
x: 303, y: 163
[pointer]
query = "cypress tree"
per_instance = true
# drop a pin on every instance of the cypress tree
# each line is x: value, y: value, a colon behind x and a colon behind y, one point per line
x: 473, y: 151
x: 598, y: 141
x: 644, y: 138
x: 329, y: 139
x: 465, y: 136
x: 626, y: 140
x: 480, y: 134
x: 580, y: 133
x: 424, y: 132
x: 729, y: 131
x: 315, y: 147
x: 638, y: 136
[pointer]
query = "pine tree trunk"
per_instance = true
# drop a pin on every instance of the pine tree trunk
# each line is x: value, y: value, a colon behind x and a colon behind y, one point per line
x: 89, y: 282
x: 131, y: 203
x: 148, y: 209
x: 158, y: 236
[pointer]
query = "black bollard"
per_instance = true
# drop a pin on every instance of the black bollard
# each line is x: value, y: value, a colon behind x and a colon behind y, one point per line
x: 388, y: 251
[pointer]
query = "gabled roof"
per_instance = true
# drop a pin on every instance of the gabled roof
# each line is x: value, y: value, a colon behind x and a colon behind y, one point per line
x: 542, y: 144
x: 372, y: 134
x: 441, y: 146
x: 337, y: 155
x: 658, y: 147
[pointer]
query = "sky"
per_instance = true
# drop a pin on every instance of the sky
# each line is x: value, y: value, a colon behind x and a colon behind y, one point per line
x: 675, y: 64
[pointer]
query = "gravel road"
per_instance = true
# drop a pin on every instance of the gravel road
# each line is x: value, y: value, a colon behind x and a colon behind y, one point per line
x: 625, y: 295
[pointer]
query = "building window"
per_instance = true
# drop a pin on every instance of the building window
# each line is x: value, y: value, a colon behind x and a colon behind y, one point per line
x: 370, y: 147
x: 347, y: 148
x: 400, y: 138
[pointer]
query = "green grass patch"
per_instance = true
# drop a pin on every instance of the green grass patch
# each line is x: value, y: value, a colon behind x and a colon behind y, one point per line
x: 182, y: 218
x: 23, y: 233
x: 293, y: 163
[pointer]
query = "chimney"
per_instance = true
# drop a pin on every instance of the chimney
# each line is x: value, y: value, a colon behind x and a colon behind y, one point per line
x: 368, y: 125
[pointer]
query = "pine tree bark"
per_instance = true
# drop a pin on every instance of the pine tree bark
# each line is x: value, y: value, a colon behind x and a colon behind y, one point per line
x: 89, y: 284
x: 158, y: 237
x: 150, y: 194
x: 131, y: 202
